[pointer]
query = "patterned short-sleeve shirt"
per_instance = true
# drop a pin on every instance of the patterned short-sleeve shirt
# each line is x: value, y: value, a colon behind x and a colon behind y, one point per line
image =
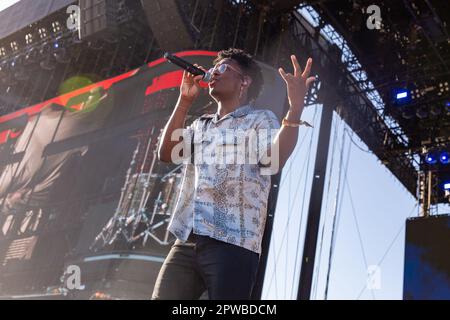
x: 227, y: 202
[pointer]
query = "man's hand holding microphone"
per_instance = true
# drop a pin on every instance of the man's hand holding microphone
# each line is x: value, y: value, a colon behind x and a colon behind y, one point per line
x: 190, y: 89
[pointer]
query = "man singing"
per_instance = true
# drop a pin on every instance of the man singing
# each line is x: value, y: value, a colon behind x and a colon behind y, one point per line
x: 221, y: 212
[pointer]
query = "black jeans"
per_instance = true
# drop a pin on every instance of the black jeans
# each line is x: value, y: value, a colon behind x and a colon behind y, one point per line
x: 202, y: 263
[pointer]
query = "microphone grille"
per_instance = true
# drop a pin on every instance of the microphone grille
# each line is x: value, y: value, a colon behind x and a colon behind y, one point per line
x: 207, y: 77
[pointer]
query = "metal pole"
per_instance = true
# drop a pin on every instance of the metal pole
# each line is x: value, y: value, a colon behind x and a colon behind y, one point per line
x: 315, y: 204
x: 272, y: 201
x: 430, y: 181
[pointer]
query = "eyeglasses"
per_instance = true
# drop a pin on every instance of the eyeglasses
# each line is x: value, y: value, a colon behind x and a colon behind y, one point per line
x: 222, y: 68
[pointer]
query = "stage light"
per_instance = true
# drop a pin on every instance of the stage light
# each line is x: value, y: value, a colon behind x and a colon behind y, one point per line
x: 56, y: 45
x: 29, y: 38
x: 401, y: 96
x: 447, y: 186
x: 56, y: 26
x: 42, y: 33
x: 14, y: 46
x: 444, y: 157
x: 431, y: 158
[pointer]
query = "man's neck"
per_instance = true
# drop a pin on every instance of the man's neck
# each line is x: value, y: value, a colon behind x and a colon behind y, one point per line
x: 227, y: 106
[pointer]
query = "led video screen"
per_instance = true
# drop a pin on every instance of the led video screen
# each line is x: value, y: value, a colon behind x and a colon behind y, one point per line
x: 81, y: 185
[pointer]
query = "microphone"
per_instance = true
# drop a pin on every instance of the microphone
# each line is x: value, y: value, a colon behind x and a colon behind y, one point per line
x: 188, y: 66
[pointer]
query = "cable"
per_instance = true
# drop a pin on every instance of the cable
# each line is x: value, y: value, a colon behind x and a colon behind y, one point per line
x: 389, y: 247
x: 357, y: 228
x: 355, y: 144
x: 276, y: 255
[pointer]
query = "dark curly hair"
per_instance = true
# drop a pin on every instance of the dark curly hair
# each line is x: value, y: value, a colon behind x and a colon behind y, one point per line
x: 248, y: 66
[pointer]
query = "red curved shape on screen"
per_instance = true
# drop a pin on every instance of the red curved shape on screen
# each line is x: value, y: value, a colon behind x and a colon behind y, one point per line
x: 165, y: 81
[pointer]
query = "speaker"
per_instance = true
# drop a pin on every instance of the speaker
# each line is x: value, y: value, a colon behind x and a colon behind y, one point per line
x: 427, y: 261
x: 98, y: 18
x: 169, y: 26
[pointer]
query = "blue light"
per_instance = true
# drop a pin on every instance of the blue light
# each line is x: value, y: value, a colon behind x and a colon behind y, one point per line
x: 402, y: 95
x: 444, y: 157
x: 431, y: 158
x: 447, y: 186
x: 56, y: 45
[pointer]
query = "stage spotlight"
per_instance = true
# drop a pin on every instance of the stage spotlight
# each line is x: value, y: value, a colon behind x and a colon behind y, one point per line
x: 431, y: 158
x: 447, y: 186
x: 401, y: 96
x: 56, y: 45
x: 444, y: 157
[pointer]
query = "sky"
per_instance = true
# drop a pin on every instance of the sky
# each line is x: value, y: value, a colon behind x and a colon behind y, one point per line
x: 6, y: 3
x: 372, y: 208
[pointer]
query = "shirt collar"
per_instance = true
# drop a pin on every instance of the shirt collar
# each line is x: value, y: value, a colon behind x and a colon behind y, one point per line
x: 239, y: 112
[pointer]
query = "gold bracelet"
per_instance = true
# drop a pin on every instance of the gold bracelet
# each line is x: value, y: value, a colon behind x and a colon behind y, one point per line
x: 295, y: 124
